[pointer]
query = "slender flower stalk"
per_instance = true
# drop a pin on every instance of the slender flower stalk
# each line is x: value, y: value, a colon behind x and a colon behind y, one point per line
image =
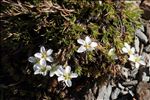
x: 86, y: 45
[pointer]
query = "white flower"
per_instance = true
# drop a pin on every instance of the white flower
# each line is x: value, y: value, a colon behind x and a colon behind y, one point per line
x: 86, y: 45
x: 100, y: 2
x: 46, y: 55
x: 127, y: 49
x: 41, y: 68
x: 66, y: 75
x: 137, y: 60
x: 54, y: 71
x: 33, y: 59
x: 112, y: 54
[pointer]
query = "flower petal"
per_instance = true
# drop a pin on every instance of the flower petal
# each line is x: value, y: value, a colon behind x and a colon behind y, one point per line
x: 132, y: 58
x: 49, y: 58
x: 38, y: 55
x: 42, y: 49
x: 90, y: 49
x: 94, y: 44
x: 133, y: 50
x: 124, y: 50
x: 137, y: 65
x: 37, y: 72
x: 48, y: 67
x: 60, y: 70
x: 49, y: 52
x: 80, y: 41
x: 142, y: 62
x: 42, y: 62
x: 32, y: 59
x: 111, y: 52
x: 44, y: 73
x: 36, y: 67
x: 68, y: 83
x: 61, y: 78
x: 67, y: 69
x: 127, y: 46
x: 87, y: 39
x: 81, y: 49
x: 74, y: 75
x: 52, y: 73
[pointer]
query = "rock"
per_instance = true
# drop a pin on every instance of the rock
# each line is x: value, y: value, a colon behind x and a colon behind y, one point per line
x: 131, y: 93
x: 137, y: 44
x: 133, y: 82
x: 148, y: 65
x: 143, y: 91
x: 145, y: 78
x: 145, y: 5
x: 125, y: 72
x: 104, y: 92
x: 120, y: 86
x: 141, y: 36
x: 115, y: 93
x: 141, y: 71
x: 133, y: 73
x: 147, y: 49
x: 108, y: 92
x: 148, y: 31
x: 101, y: 92
x: 125, y: 97
x: 124, y: 92
x: 90, y: 95
x: 146, y: 58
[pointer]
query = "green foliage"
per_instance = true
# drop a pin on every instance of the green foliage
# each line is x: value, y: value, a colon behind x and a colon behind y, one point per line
x: 109, y: 24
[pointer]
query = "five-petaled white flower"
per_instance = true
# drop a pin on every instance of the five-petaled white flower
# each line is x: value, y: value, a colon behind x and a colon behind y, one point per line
x: 137, y: 60
x: 66, y: 75
x: 112, y: 53
x: 41, y: 68
x: 46, y: 55
x: 127, y: 49
x: 86, y: 45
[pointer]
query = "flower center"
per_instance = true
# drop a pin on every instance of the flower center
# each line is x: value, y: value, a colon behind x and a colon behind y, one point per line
x: 130, y: 52
x: 43, y: 69
x: 87, y: 46
x: 44, y: 55
x: 67, y: 76
x: 137, y: 59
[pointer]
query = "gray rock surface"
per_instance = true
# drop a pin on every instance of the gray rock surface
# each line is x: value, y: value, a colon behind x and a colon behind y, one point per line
x: 145, y: 78
x: 133, y: 73
x: 137, y: 44
x: 133, y: 82
x: 141, y: 36
x: 115, y: 93
x: 148, y: 31
x: 143, y: 91
x: 105, y: 92
x: 147, y: 48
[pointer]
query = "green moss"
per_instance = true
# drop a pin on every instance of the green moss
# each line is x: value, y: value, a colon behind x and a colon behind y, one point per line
x: 109, y: 24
